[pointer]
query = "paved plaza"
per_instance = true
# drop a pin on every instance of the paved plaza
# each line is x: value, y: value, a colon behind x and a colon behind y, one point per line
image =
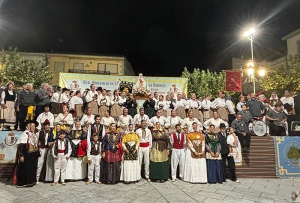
x: 249, y: 190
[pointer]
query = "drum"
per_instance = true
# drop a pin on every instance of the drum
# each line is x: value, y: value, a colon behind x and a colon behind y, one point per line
x: 259, y: 129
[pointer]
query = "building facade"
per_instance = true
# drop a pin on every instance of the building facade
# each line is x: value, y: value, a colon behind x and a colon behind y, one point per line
x: 75, y: 63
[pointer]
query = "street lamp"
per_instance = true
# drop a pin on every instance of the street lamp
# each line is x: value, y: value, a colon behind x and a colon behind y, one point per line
x: 250, y: 34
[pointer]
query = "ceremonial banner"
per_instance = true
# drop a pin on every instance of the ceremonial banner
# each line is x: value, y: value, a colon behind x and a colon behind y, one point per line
x: 287, y: 152
x: 233, y: 80
x: 8, y: 147
x: 161, y: 85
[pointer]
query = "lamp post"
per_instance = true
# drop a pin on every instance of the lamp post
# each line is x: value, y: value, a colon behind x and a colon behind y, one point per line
x: 250, y: 34
x: 251, y: 75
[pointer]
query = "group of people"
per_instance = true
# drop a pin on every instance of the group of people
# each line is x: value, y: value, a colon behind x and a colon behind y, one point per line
x: 95, y: 135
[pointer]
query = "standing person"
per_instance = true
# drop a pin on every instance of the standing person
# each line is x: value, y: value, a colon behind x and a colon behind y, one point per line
x: 164, y: 122
x: 27, y: 157
x: 91, y: 99
x: 216, y: 121
x: 8, y: 102
x: 149, y: 106
x: 56, y: 101
x: 188, y: 122
x: 155, y: 97
x: 103, y: 101
x: 273, y: 100
x: 161, y: 105
x: 107, y: 120
x: 97, y: 128
x: 247, y: 117
x: 159, y: 165
x: 215, y: 170
x: 240, y: 103
x: 43, y: 98
x: 76, y: 105
x: 181, y: 107
x: 206, y: 104
x: 124, y: 121
x: 88, y: 118
x: 61, y: 152
x: 219, y: 104
x: 195, y: 106
x: 44, y: 135
x: 138, y: 118
x: 240, y: 128
x: 112, y: 155
x: 173, y: 121
x: 169, y: 105
x: 178, y: 143
x: 229, y: 105
x: 288, y: 102
x: 131, y: 105
x: 277, y: 121
x: 122, y: 101
x: 145, y: 140
x: 94, y: 157
x: 195, y: 163
x: 130, y: 167
x: 256, y: 107
x: 76, y: 168
x: 116, y: 104
x: 25, y: 104
x: 65, y: 117
x: 46, y: 115
x: 225, y: 151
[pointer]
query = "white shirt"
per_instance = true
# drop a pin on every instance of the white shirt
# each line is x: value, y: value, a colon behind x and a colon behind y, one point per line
x: 103, y: 100
x: 3, y: 95
x: 147, y: 138
x: 181, y: 103
x: 239, y: 106
x: 172, y: 139
x: 61, y: 146
x: 85, y: 119
x: 194, y: 104
x: 206, y: 104
x: 124, y: 121
x: 68, y: 119
x: 89, y: 96
x: 115, y: 100
x: 161, y: 105
x: 55, y: 97
x: 107, y: 121
x: 215, y: 122
x: 230, y: 108
x: 97, y: 147
x: 42, y: 117
x: 162, y: 120
x: 287, y: 100
x: 75, y: 100
x: 174, y: 121
x: 218, y: 102
x: 138, y: 118
x: 187, y: 122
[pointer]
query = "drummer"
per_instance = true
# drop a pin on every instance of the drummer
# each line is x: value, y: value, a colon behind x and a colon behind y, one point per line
x: 240, y: 129
x: 174, y: 120
x: 247, y: 117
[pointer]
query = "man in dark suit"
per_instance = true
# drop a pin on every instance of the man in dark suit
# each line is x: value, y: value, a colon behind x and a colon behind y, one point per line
x: 225, y: 151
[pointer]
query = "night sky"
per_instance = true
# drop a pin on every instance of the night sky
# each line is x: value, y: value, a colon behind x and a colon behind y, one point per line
x: 159, y: 38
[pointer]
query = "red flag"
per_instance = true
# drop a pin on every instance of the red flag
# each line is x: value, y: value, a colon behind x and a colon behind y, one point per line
x: 234, y: 80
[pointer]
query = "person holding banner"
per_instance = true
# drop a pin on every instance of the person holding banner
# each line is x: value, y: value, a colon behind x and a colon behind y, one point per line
x: 27, y: 157
x: 91, y: 99
x: 103, y: 101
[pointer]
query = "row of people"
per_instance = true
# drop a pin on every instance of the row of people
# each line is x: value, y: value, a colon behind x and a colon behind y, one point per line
x: 47, y: 155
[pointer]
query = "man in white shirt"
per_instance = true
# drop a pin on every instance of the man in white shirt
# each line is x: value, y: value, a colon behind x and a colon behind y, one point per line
x: 187, y: 122
x: 158, y: 118
x: 44, y: 116
x: 139, y: 117
x: 174, y: 120
x: 216, y: 121
x: 145, y: 138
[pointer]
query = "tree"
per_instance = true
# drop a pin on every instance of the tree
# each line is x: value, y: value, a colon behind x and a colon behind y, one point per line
x: 294, y: 154
x: 15, y: 68
x: 284, y: 77
x: 204, y: 82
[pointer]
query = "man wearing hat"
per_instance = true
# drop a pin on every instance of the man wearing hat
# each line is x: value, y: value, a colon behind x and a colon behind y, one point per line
x: 46, y: 115
x: 43, y: 148
x: 225, y: 151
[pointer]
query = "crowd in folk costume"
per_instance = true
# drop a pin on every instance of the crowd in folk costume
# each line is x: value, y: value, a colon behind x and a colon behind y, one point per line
x: 101, y: 135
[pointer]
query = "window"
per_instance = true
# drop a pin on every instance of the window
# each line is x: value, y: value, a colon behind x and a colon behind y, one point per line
x: 59, y: 66
x: 78, y: 66
x: 101, y: 67
x: 112, y: 68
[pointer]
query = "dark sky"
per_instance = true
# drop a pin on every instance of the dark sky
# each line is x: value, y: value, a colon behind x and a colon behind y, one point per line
x: 158, y: 37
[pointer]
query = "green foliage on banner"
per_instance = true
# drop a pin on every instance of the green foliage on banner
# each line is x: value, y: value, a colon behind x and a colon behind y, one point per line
x: 284, y: 77
x: 15, y: 68
x: 203, y: 82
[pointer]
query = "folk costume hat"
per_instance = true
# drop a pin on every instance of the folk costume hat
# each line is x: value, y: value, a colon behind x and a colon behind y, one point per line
x: 32, y: 121
x: 46, y: 122
x: 222, y: 125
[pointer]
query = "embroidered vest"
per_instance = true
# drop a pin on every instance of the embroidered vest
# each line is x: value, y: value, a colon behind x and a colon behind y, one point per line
x: 178, y: 145
x: 95, y: 151
x: 66, y: 141
x: 99, y: 132
x: 9, y: 97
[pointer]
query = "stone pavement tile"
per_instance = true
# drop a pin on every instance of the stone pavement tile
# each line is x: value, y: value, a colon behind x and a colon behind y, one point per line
x: 133, y: 194
x: 198, y: 198
x: 145, y: 187
x: 161, y: 200
x: 211, y: 200
x: 236, y: 199
x: 124, y: 187
x: 2, y: 200
x: 273, y: 197
x: 191, y: 190
x: 153, y: 194
x: 212, y: 195
x: 145, y: 199
x: 228, y: 193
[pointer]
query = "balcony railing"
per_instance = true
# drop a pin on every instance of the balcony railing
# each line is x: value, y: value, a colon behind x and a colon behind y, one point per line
x: 89, y: 71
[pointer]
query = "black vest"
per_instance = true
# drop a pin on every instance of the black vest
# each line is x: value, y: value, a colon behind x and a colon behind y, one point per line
x: 94, y: 151
x: 93, y: 130
x: 224, y: 145
x: 66, y: 147
x: 9, y: 97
